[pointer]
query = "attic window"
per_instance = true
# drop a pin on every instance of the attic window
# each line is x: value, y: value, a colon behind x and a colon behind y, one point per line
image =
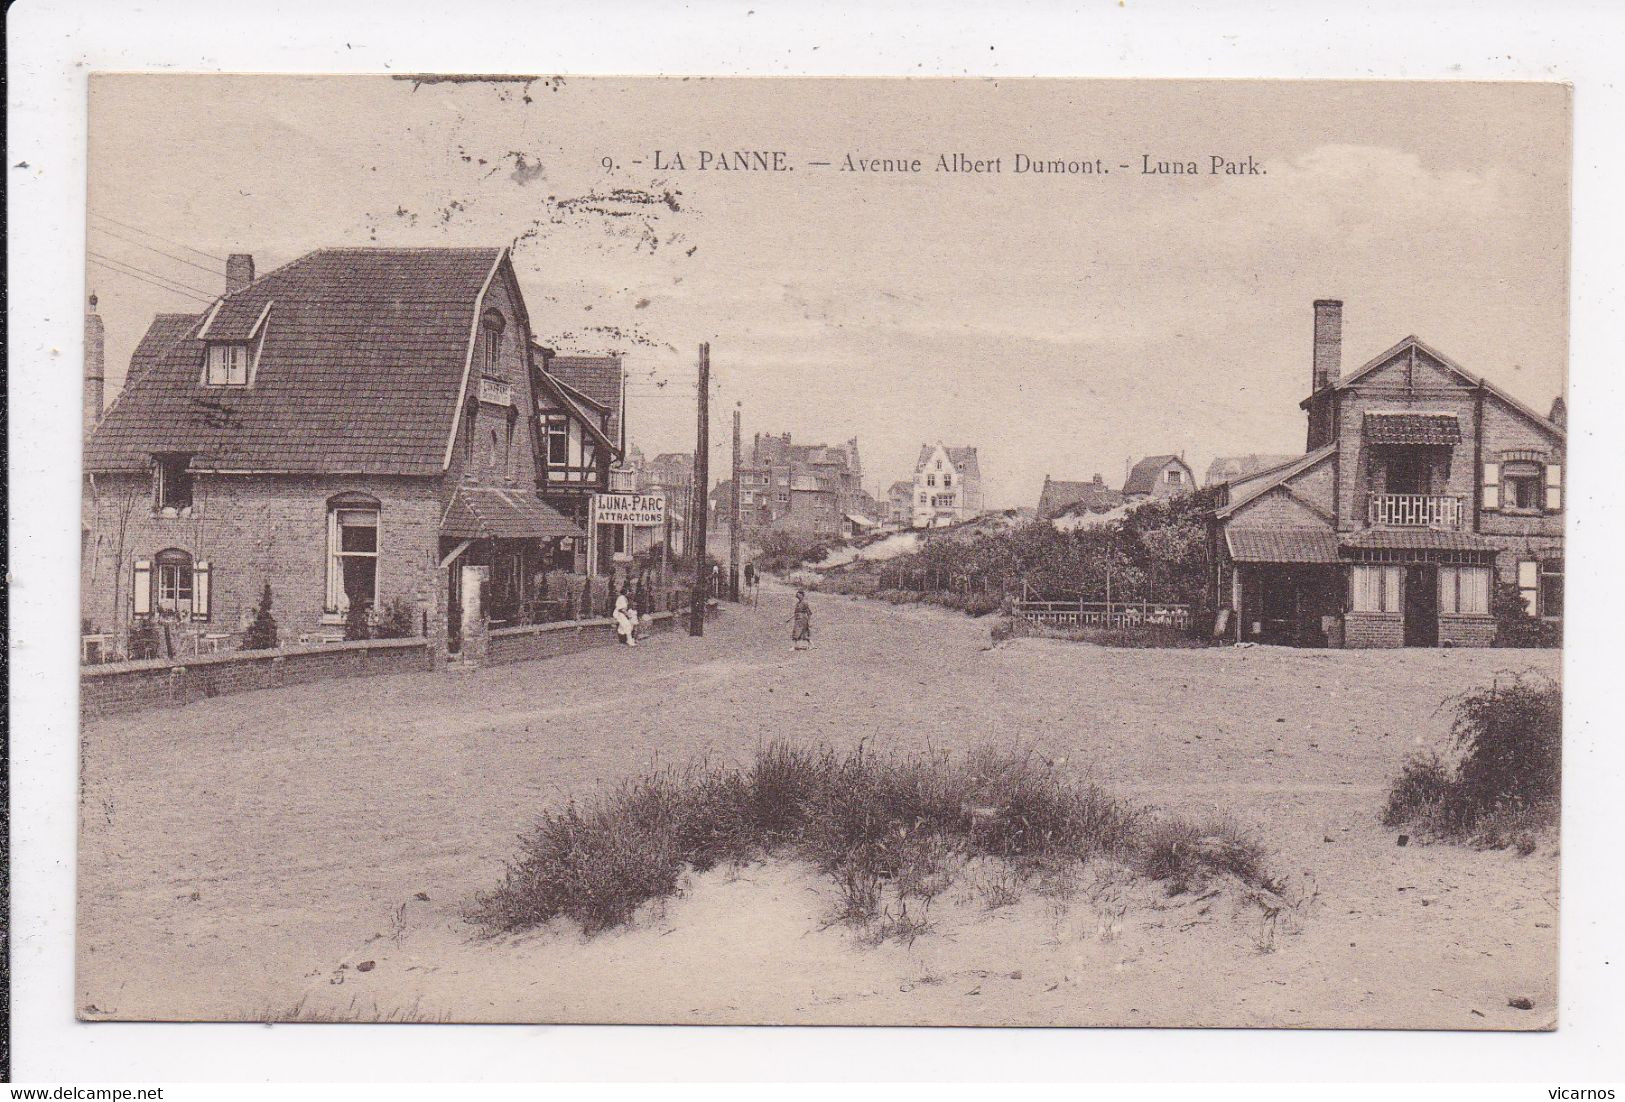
x: 174, y: 482
x: 228, y: 363
x: 491, y: 323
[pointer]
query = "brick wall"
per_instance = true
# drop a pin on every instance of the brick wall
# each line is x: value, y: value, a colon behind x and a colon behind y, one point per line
x: 258, y: 528
x: 134, y: 686
x: 1466, y: 631
x: 1373, y: 629
x: 528, y: 643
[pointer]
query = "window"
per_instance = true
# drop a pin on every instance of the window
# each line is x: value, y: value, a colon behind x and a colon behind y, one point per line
x: 174, y: 482
x: 1529, y: 586
x: 173, y: 596
x: 470, y: 417
x: 783, y: 497
x: 1521, y: 487
x: 352, y: 552
x: 558, y: 440
x: 947, y: 480
x: 507, y: 443
x: 930, y: 480
x: 228, y: 364
x: 1551, y: 589
x: 1374, y: 589
x: 491, y: 325
x: 493, y: 456
x: 1174, y: 477
x: 923, y: 498
x: 939, y: 464
x: 1464, y: 590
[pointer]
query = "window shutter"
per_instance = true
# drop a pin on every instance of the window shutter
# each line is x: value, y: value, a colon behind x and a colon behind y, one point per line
x: 141, y: 587
x: 200, y: 590
x: 1492, y: 486
x: 1554, y: 487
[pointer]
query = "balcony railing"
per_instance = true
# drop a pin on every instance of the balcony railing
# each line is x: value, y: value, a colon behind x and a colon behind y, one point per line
x: 1415, y: 510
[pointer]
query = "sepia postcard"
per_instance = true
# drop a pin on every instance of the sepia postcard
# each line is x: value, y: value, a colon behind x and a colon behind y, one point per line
x: 813, y: 551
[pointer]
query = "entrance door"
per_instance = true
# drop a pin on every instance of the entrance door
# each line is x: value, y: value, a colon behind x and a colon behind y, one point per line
x: 1421, y: 606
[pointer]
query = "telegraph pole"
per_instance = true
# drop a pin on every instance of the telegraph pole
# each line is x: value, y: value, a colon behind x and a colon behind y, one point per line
x: 702, y: 479
x: 733, y: 519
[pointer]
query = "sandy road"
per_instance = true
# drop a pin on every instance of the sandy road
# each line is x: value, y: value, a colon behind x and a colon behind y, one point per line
x: 237, y: 852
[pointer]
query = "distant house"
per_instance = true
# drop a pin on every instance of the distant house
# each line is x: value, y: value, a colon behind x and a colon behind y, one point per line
x: 1158, y: 476
x: 1232, y: 468
x: 947, y: 486
x: 1422, y: 486
x: 1094, y: 496
x: 900, y: 504
x: 363, y: 429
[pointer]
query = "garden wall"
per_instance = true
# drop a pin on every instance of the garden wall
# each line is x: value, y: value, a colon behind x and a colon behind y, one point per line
x: 168, y: 682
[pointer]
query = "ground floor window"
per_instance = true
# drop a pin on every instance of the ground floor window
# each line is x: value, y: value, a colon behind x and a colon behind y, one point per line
x: 1464, y: 590
x: 1374, y: 588
x: 352, y: 555
x: 1529, y: 586
x: 1551, y: 589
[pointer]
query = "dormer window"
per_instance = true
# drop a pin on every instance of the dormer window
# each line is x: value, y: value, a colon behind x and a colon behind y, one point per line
x: 228, y: 363
x: 173, y: 489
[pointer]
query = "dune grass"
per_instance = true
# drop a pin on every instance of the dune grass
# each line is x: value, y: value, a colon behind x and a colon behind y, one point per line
x: 891, y: 831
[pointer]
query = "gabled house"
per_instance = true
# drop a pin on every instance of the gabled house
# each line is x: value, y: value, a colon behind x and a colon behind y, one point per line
x: 1058, y: 496
x: 900, y: 504
x: 359, y: 429
x: 1422, y: 486
x: 947, y: 486
x: 1158, y: 476
x: 581, y: 414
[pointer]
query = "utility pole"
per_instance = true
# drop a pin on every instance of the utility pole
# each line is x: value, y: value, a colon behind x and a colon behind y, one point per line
x: 733, y: 519
x: 702, y: 479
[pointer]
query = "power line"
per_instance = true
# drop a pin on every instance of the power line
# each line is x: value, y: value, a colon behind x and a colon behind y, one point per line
x: 162, y: 286
x: 208, y: 296
x: 160, y: 252
x: 158, y: 237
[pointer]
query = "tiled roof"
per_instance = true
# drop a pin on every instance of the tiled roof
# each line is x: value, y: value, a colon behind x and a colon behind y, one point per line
x: 360, y: 370
x: 1301, y: 545
x: 597, y: 377
x: 963, y: 459
x: 1143, y: 478
x: 1059, y: 495
x: 904, y: 488
x: 1416, y: 539
x: 493, y: 512
x: 1228, y: 468
x: 1405, y: 427
x: 164, y: 331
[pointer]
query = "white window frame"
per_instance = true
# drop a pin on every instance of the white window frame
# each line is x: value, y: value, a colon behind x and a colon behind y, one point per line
x: 228, y: 363
x: 1529, y: 585
x: 1374, y: 587
x: 1464, y: 590
x: 338, y: 601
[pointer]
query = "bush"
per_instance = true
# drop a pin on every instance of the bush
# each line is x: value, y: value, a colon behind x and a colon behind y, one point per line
x: 358, y: 621
x: 1502, y: 785
x: 399, y: 620
x: 261, y: 633
x: 1514, y: 627
x: 875, y: 824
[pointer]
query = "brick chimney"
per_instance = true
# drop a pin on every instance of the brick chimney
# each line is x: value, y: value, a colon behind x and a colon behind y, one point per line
x: 1328, y: 343
x: 239, y: 271
x: 95, y: 366
x: 1560, y: 413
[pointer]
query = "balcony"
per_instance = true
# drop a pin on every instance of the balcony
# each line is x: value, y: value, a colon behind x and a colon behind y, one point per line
x: 1415, y: 511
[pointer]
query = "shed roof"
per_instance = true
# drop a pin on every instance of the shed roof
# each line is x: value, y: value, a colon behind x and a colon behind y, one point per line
x: 496, y: 512
x: 1407, y: 427
x: 1416, y: 539
x: 1293, y: 545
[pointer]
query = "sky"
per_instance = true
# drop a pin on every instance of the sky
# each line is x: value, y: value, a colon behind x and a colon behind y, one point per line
x: 1062, y: 324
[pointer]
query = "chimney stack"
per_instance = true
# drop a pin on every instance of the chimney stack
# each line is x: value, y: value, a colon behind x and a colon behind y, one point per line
x: 239, y: 271
x: 1328, y: 342
x: 95, y: 366
x: 1560, y: 413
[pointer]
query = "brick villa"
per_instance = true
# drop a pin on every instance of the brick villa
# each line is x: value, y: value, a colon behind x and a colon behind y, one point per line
x: 360, y: 426
x: 1422, y: 484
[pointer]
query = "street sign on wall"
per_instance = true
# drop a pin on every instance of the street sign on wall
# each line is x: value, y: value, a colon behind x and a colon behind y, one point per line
x: 642, y: 510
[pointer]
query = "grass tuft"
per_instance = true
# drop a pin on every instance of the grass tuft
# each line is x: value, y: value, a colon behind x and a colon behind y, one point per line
x: 892, y: 831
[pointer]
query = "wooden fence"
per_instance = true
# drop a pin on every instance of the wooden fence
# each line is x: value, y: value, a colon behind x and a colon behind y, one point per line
x: 1106, y: 614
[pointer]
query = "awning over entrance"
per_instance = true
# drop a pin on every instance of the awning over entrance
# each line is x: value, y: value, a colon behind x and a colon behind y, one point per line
x: 493, y: 512
x: 1411, y: 428
x: 1297, y: 545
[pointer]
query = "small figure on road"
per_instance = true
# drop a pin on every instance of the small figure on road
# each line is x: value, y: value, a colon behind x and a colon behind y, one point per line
x: 801, y: 621
x: 626, y: 620
x: 750, y: 581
